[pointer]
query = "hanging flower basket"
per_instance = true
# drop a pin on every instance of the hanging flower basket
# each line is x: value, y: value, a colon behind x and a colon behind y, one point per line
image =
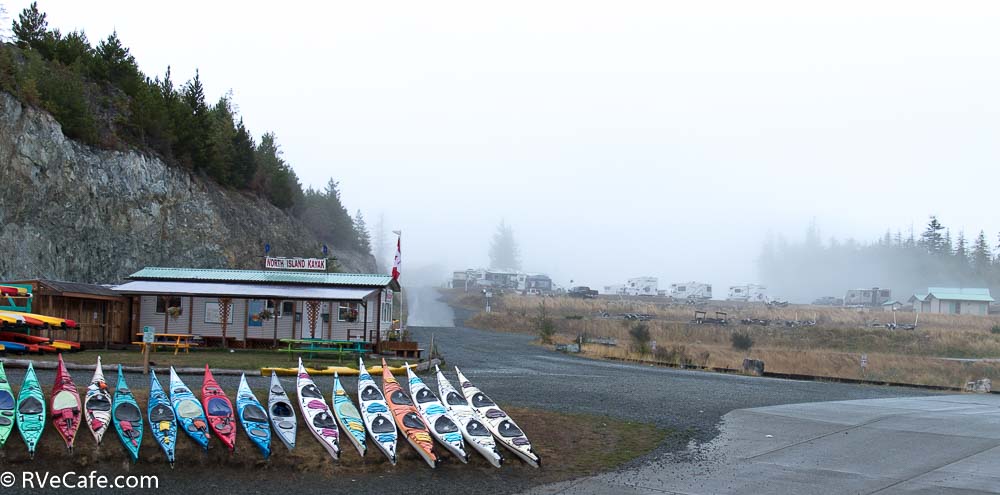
x: 175, y: 311
x: 352, y: 315
x: 265, y: 315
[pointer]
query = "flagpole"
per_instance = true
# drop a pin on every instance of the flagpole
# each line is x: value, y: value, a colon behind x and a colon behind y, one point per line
x: 397, y: 266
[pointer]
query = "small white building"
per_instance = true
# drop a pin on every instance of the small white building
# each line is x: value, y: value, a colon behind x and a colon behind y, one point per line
x: 955, y: 301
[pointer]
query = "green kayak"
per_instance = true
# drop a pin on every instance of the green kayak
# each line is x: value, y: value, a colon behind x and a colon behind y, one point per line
x: 7, y: 404
x: 127, y: 417
x: 30, y: 410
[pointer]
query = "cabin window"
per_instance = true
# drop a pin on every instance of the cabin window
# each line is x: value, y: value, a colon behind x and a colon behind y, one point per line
x: 347, y: 311
x: 287, y: 307
x: 164, y: 302
x: 386, y: 312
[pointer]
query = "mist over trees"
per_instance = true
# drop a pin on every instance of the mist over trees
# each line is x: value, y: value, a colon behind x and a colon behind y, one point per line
x: 906, y: 263
x: 101, y: 98
x: 504, y: 253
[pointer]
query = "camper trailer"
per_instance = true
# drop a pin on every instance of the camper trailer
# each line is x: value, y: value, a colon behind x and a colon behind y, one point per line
x: 642, y: 286
x: 747, y: 293
x: 873, y: 297
x: 691, y: 291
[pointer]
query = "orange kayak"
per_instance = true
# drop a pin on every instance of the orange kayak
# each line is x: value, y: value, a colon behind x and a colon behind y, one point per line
x: 52, y: 321
x: 407, y: 417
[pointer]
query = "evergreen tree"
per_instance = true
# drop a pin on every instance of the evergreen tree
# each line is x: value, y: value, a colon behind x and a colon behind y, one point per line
x: 961, y: 250
x: 195, y: 125
x: 361, y: 230
x: 504, y: 253
x: 244, y: 157
x: 30, y: 27
x: 981, y: 255
x: 932, y: 240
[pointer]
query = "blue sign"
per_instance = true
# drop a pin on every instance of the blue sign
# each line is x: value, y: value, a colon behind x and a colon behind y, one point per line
x: 267, y: 248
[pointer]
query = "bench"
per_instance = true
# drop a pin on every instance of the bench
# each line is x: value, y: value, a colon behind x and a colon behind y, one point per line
x: 176, y: 340
x: 408, y: 353
x: 323, y: 346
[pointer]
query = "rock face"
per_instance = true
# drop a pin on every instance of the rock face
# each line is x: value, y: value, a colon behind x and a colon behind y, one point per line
x: 71, y: 212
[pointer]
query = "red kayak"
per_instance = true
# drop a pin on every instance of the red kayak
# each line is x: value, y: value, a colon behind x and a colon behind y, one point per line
x: 66, y: 406
x: 23, y: 337
x: 218, y: 410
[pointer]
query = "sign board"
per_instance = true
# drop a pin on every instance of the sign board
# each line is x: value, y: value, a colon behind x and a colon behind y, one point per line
x: 295, y: 263
x: 864, y: 360
x: 148, y: 335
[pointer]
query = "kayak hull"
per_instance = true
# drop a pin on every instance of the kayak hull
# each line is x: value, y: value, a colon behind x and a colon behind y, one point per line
x: 253, y: 418
x: 281, y: 413
x: 316, y: 413
x: 441, y: 425
x: 473, y: 431
x: 65, y: 405
x: 162, y: 420
x: 375, y: 413
x: 407, y: 418
x: 218, y: 410
x: 127, y: 417
x: 7, y: 407
x: 329, y: 371
x: 97, y: 404
x: 188, y: 411
x: 348, y: 417
x: 503, y: 428
x: 30, y: 410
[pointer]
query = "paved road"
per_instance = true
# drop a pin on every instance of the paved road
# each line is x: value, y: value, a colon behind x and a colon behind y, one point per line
x: 515, y: 372
x: 945, y: 444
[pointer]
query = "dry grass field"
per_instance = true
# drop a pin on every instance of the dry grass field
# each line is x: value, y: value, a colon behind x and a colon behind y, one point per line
x: 939, y: 352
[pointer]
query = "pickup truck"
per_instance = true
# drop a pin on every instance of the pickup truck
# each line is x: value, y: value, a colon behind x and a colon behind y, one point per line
x: 582, y: 292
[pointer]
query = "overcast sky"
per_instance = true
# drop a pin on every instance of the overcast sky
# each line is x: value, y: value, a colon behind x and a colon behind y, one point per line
x: 618, y: 138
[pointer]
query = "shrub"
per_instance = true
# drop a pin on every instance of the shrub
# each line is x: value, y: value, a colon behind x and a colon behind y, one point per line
x: 546, y: 327
x: 640, y: 336
x: 741, y: 341
x: 995, y: 329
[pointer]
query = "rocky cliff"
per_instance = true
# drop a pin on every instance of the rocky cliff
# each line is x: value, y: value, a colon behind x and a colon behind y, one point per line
x: 71, y: 212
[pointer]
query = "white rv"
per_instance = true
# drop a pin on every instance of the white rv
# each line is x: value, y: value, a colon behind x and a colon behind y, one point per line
x: 691, y: 290
x: 642, y: 286
x: 614, y: 290
x: 747, y: 293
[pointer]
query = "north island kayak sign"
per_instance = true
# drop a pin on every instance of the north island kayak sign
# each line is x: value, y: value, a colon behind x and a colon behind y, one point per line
x: 148, y: 335
x: 295, y: 263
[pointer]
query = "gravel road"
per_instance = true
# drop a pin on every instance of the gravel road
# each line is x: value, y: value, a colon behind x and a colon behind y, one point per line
x: 515, y: 372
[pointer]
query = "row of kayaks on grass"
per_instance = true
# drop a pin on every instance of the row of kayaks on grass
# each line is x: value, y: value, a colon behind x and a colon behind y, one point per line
x: 459, y: 418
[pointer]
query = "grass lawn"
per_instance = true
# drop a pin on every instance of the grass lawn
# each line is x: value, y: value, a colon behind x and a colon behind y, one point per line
x: 216, y: 358
x: 570, y: 445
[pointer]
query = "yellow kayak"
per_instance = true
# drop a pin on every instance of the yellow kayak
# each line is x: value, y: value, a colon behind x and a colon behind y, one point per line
x: 51, y: 320
x: 330, y: 370
x: 62, y: 346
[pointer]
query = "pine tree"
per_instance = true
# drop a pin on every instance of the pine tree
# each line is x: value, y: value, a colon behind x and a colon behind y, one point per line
x: 244, y: 158
x: 981, y: 255
x: 361, y: 230
x: 932, y: 240
x: 504, y: 253
x: 30, y: 27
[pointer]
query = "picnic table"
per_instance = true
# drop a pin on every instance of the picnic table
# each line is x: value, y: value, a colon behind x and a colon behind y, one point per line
x: 325, y: 346
x: 176, y: 340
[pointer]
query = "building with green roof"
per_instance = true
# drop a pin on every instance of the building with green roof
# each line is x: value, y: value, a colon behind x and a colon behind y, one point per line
x: 952, y: 300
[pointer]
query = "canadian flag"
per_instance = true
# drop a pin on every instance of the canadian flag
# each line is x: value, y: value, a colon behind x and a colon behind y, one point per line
x: 397, y: 261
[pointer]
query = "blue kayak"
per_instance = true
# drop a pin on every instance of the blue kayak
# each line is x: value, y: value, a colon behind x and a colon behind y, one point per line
x: 188, y: 411
x: 127, y: 417
x: 162, y: 420
x: 253, y: 417
x: 13, y: 346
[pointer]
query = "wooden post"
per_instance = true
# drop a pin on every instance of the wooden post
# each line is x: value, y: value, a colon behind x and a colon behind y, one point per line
x: 364, y: 325
x: 145, y: 358
x: 274, y: 316
x: 312, y: 310
x: 329, y: 320
x: 224, y: 318
x: 190, y: 315
x: 166, y: 314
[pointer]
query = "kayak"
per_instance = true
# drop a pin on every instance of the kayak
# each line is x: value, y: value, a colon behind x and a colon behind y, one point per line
x: 218, y: 410
x: 317, y: 415
x: 187, y: 409
x: 473, y: 430
x: 375, y: 412
x: 329, y: 370
x: 407, y: 418
x: 97, y: 404
x: 19, y: 318
x: 8, y: 290
x: 7, y: 405
x: 282, y: 414
x: 66, y: 406
x: 441, y: 425
x: 50, y: 320
x: 162, y: 420
x: 348, y: 416
x: 13, y: 346
x: 500, y: 425
x: 23, y: 337
x: 253, y: 418
x: 128, y: 417
x: 30, y: 410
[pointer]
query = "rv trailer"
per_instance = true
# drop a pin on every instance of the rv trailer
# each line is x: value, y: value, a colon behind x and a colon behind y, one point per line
x: 691, y: 291
x: 873, y: 297
x: 747, y: 293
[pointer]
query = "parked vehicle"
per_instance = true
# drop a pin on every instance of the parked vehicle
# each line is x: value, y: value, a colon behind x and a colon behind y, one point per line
x: 582, y: 291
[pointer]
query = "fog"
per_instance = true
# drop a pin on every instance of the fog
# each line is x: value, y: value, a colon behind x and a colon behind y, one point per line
x: 617, y: 138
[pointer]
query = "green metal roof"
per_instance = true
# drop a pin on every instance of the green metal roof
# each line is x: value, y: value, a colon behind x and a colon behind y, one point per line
x: 960, y: 294
x: 265, y: 277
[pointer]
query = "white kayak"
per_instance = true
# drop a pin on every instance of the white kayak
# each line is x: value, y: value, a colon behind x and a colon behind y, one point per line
x: 500, y: 425
x: 317, y: 414
x: 281, y: 413
x: 97, y: 404
x: 474, y: 431
x: 442, y: 426
x: 375, y: 413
